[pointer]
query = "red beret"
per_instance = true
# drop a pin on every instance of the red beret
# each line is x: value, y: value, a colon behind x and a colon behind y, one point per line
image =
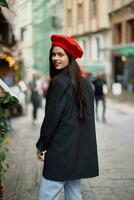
x: 68, y: 44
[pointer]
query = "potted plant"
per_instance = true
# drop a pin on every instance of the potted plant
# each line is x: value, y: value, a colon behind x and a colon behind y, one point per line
x: 6, y: 103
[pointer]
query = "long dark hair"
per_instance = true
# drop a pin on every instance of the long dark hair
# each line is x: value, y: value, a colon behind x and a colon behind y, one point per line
x: 74, y: 72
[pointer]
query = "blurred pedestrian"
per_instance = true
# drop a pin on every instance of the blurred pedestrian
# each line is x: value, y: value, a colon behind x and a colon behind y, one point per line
x: 45, y: 85
x: 67, y: 134
x: 99, y: 82
x: 34, y: 97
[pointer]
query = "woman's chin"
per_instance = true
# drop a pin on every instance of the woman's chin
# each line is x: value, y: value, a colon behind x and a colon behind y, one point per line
x: 58, y: 67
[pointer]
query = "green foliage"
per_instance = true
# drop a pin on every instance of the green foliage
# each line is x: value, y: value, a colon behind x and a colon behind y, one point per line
x: 4, y: 3
x: 6, y: 102
x: 2, y: 156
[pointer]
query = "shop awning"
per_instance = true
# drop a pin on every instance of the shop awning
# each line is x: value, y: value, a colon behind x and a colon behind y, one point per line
x: 93, y: 68
x: 126, y: 51
x: 122, y: 49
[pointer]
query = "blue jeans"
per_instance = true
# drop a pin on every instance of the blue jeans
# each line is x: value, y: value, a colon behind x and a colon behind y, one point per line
x: 50, y: 190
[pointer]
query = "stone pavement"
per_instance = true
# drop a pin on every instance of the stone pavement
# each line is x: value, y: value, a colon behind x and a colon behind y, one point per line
x: 116, y: 158
x: 127, y: 108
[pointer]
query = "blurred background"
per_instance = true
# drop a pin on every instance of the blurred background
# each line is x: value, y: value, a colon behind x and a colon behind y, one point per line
x: 105, y: 31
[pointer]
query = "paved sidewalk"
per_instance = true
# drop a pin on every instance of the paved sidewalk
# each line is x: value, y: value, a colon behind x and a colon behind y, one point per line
x: 127, y: 108
x: 116, y: 158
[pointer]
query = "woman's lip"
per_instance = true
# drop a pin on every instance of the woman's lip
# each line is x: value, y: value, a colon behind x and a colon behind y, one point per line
x: 56, y: 63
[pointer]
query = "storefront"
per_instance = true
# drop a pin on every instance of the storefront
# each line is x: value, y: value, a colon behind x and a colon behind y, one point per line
x: 9, y: 69
x: 123, y: 67
x: 10, y: 60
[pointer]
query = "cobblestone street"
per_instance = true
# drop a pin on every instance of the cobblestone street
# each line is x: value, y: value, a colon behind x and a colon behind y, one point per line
x: 116, y: 158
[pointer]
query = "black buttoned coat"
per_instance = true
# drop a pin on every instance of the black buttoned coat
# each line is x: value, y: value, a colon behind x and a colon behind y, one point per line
x: 70, y: 142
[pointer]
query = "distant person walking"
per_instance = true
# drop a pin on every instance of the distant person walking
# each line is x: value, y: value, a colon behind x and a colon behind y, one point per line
x: 99, y: 82
x: 35, y: 97
x: 67, y: 136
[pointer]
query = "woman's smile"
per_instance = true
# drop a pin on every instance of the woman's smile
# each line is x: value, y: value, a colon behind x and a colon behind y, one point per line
x: 59, y: 58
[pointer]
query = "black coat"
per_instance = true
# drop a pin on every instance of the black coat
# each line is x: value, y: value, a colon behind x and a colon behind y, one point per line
x: 70, y: 142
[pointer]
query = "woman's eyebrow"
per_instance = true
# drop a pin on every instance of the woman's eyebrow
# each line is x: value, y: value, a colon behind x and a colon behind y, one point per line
x: 58, y: 52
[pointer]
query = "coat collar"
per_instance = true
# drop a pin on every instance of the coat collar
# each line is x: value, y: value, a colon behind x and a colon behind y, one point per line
x: 63, y: 71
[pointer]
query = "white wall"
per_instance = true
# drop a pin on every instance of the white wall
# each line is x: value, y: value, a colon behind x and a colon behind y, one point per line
x: 91, y: 57
x: 23, y: 20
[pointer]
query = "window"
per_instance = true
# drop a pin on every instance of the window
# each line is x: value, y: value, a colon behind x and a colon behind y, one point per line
x: 130, y: 31
x: 69, y: 17
x: 23, y: 33
x: 98, y: 46
x: 85, y: 47
x: 56, y: 15
x: 56, y: 22
x: 93, y: 8
x: 80, y: 13
x: 117, y: 37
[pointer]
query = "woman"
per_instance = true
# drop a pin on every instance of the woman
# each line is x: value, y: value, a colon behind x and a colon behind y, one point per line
x: 68, y: 131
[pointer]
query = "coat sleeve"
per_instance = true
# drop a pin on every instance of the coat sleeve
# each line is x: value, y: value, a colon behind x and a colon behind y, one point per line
x: 55, y: 104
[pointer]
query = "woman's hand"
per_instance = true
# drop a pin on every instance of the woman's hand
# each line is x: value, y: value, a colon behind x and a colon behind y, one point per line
x: 40, y: 155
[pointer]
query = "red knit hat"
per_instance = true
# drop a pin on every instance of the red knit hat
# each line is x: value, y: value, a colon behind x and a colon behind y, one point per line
x: 68, y: 44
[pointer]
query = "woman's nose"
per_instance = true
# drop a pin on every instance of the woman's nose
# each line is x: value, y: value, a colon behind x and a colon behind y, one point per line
x: 55, y: 57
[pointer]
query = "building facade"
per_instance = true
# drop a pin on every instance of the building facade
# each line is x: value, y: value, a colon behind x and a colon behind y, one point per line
x: 122, y: 23
x: 88, y: 22
x: 47, y: 19
x: 22, y: 27
x: 33, y: 22
x: 10, y: 61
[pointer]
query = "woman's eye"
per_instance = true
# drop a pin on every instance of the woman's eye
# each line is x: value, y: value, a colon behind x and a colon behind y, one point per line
x: 60, y: 54
x: 53, y: 54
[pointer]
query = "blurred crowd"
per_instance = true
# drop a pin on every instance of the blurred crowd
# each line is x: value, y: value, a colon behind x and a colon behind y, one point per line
x: 35, y: 92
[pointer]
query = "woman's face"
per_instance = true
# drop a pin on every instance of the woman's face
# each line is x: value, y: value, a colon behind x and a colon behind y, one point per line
x: 59, y: 58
